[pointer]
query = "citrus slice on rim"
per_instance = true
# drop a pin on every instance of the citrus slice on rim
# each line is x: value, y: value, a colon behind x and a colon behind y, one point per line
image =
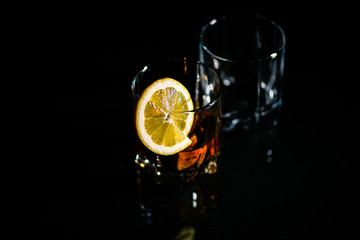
x: 162, y: 117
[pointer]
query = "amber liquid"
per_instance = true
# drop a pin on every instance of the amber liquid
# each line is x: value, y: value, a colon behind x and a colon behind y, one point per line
x: 200, y: 157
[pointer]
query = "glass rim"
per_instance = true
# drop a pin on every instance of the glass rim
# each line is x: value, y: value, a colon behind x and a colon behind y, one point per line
x: 216, y: 99
x: 256, y: 16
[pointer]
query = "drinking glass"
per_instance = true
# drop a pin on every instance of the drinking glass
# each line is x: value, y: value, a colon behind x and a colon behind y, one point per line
x: 164, y: 181
x: 247, y: 52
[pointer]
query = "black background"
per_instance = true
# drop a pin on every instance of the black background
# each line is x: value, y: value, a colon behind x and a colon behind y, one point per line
x: 87, y: 180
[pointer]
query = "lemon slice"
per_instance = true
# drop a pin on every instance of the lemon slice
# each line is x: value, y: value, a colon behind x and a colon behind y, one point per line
x: 162, y: 118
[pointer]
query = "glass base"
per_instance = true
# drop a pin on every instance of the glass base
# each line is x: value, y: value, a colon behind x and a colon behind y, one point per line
x: 173, y: 212
x: 259, y: 121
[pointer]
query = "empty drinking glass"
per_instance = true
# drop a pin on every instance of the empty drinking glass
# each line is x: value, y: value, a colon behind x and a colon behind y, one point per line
x: 247, y: 52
